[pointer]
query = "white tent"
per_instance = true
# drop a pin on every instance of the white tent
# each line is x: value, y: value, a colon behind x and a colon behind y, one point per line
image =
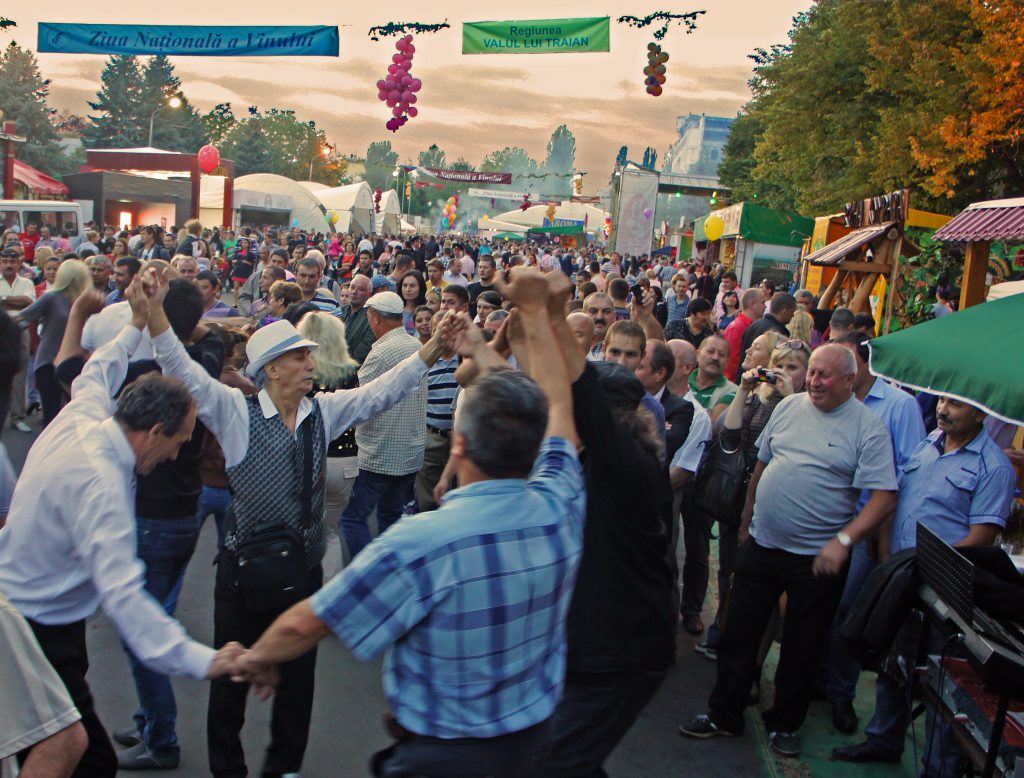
x: 389, y: 219
x: 534, y: 216
x: 1005, y: 289
x: 306, y: 209
x: 496, y: 226
x: 353, y: 204
x: 313, y: 186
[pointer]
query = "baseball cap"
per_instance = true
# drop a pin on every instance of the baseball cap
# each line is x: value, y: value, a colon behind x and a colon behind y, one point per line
x: 386, y: 302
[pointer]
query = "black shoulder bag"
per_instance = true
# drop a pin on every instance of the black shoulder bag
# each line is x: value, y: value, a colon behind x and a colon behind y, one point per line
x: 272, y: 562
x: 721, y: 484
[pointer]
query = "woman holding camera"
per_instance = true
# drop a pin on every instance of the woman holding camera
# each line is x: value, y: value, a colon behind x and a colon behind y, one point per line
x: 773, y: 368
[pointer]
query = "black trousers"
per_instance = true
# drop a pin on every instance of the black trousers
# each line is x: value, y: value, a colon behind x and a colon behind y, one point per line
x: 762, y: 575
x: 508, y: 756
x: 50, y: 392
x: 595, y: 713
x: 696, y: 565
x: 64, y: 646
x: 292, y: 702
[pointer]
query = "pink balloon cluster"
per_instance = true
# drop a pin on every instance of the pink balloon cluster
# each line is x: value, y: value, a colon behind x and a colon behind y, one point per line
x: 399, y: 88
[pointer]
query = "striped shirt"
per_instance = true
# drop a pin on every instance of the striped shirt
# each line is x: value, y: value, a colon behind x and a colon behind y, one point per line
x: 470, y: 602
x: 441, y: 390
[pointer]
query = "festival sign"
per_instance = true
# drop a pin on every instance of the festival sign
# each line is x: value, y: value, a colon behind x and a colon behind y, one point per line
x: 495, y: 194
x: 468, y: 176
x: 537, y: 36
x: 180, y: 40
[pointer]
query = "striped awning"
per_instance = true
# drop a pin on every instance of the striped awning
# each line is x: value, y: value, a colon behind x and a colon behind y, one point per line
x: 989, y: 220
x: 834, y: 253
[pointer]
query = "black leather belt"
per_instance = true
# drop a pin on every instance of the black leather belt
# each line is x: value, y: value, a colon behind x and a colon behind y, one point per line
x: 442, y: 433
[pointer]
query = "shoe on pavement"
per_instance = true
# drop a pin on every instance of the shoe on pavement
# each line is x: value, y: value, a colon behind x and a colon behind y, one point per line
x: 703, y: 727
x: 21, y: 426
x: 844, y: 717
x: 127, y: 737
x: 140, y: 758
x: 692, y: 623
x: 707, y: 649
x: 785, y: 743
x: 864, y: 752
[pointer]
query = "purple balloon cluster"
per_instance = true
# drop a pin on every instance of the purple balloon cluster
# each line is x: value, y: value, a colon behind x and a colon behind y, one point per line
x: 399, y: 88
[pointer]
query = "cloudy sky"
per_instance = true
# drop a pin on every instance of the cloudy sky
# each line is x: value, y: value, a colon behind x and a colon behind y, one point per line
x: 469, y: 105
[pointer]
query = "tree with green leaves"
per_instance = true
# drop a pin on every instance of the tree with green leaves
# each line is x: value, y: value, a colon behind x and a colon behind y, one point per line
x: 117, y: 124
x: 560, y: 162
x: 219, y: 122
x: 23, y: 100
x: 380, y: 163
x: 247, y: 144
x: 174, y: 129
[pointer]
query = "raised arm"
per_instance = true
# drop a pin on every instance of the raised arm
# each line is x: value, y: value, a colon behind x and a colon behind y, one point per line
x: 529, y: 290
x: 643, y: 315
x: 87, y: 304
x: 221, y: 408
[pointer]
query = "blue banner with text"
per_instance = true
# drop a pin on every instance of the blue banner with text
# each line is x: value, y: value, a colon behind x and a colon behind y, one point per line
x: 195, y: 41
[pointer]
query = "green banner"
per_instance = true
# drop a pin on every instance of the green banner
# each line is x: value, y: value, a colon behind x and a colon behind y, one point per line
x: 536, y: 36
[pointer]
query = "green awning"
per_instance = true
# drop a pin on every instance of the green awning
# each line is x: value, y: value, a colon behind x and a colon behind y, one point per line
x: 761, y: 224
x: 972, y: 355
x: 508, y: 236
x: 568, y: 229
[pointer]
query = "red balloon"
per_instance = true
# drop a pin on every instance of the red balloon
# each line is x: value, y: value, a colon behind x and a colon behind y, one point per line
x: 209, y: 158
x: 405, y: 65
x: 413, y: 110
x: 406, y: 97
x: 410, y: 49
x: 392, y: 69
x: 395, y: 95
x: 397, y: 111
x: 405, y: 80
x: 415, y: 84
x: 382, y: 96
x: 381, y: 85
x: 412, y: 99
x: 397, y: 58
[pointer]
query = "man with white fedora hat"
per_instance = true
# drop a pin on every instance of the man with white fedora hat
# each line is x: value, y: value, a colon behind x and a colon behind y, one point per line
x: 275, y: 447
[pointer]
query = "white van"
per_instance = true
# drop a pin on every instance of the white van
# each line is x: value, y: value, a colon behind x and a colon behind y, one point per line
x: 59, y: 215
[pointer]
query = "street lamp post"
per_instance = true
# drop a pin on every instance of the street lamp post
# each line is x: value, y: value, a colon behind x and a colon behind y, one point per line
x: 174, y: 102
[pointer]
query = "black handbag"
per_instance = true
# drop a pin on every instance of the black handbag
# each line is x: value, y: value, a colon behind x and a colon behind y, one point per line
x: 271, y: 563
x: 721, y: 484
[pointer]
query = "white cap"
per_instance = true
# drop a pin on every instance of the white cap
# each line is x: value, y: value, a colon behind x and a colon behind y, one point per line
x: 270, y: 342
x: 386, y: 302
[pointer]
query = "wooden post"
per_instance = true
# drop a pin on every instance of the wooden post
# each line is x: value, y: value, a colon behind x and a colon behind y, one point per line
x: 194, y: 178
x: 833, y: 288
x: 860, y: 302
x: 893, y: 281
x: 975, y: 268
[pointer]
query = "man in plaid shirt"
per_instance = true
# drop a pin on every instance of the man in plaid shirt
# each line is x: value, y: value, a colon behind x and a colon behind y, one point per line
x: 469, y: 602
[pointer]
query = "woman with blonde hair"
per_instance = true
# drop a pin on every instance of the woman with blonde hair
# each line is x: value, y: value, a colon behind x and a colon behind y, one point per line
x: 801, y: 326
x: 334, y: 369
x: 51, y: 312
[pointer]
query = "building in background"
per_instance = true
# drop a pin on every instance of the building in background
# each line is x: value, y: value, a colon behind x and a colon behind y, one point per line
x: 700, y: 146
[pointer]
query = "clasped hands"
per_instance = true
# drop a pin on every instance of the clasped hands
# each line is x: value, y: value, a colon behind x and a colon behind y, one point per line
x: 236, y: 661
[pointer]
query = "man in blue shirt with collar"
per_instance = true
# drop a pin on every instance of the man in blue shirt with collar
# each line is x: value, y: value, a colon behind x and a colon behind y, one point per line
x: 901, y: 416
x: 959, y: 484
x: 469, y: 602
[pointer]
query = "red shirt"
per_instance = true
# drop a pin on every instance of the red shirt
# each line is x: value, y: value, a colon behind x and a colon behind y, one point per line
x: 29, y: 242
x: 734, y: 335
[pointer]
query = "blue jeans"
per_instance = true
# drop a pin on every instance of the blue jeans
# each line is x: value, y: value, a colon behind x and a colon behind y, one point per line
x: 888, y: 726
x: 165, y: 546
x: 843, y: 668
x: 387, y: 493
x: 216, y: 501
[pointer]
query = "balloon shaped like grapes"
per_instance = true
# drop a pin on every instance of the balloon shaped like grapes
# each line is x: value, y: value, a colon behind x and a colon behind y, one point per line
x: 398, y: 89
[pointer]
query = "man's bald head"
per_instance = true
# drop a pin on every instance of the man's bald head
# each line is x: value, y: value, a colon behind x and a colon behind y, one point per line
x: 582, y: 328
x: 686, y: 363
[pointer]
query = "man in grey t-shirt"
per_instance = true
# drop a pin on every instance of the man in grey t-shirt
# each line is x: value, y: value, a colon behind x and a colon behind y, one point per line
x: 816, y: 454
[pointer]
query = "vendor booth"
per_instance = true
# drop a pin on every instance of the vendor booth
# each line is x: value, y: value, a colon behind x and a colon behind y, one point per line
x: 353, y: 205
x: 306, y: 212
x: 756, y: 242
x: 388, y: 219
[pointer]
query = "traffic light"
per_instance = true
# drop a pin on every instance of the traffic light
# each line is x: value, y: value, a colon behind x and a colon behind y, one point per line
x: 655, y: 71
x: 679, y: 194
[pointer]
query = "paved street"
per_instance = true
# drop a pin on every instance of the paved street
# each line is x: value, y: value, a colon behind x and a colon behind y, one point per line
x: 346, y: 727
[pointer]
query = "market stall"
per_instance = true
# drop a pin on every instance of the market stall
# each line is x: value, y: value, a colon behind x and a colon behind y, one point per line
x: 753, y: 241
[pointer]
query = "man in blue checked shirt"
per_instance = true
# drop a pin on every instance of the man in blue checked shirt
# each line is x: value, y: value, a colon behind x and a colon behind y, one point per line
x: 469, y: 602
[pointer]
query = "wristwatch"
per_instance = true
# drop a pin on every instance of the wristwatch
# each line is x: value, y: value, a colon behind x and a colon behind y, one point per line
x: 844, y: 540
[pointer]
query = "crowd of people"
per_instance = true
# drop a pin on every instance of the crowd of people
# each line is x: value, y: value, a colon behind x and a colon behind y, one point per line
x: 536, y: 429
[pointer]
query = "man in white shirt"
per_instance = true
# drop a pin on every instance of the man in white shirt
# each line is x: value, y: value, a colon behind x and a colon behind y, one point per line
x: 16, y: 293
x: 69, y: 543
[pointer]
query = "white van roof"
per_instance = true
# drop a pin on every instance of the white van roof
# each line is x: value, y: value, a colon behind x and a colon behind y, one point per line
x: 37, y: 203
